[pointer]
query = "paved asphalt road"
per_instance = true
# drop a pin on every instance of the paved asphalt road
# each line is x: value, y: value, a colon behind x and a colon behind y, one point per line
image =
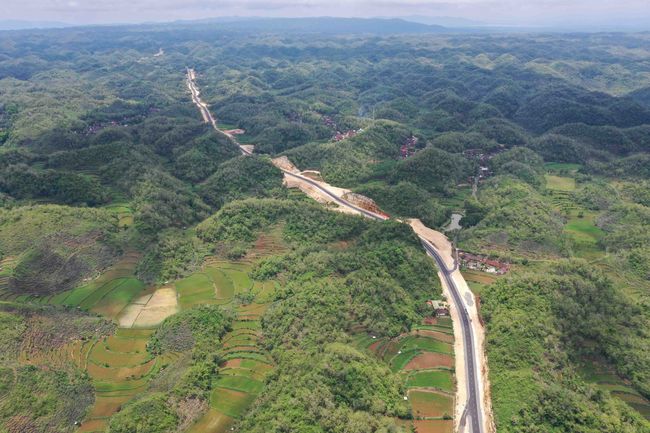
x: 473, y: 406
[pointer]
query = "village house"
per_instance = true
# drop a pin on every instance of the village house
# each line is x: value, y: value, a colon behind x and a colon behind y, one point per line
x: 408, y: 147
x: 482, y: 263
x: 440, y: 308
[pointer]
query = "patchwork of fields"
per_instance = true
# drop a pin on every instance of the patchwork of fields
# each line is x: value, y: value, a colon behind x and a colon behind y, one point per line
x: 425, y: 359
x: 242, y: 376
x: 119, y: 365
x: 580, y: 222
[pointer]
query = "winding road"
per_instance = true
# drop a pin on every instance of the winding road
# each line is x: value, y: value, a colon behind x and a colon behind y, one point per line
x: 473, y: 410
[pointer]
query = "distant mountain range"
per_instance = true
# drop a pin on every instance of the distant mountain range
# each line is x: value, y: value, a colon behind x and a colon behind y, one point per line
x: 322, y: 25
x: 20, y: 25
x: 374, y: 25
x: 454, y: 22
x: 326, y: 25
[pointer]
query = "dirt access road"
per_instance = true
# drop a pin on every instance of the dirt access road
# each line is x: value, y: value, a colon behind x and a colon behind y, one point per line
x: 473, y: 412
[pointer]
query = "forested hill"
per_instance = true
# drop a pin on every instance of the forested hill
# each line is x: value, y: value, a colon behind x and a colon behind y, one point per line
x: 114, y: 191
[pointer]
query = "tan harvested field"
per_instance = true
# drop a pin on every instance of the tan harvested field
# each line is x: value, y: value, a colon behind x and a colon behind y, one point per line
x: 163, y: 303
x: 434, y: 426
x: 233, y: 363
x: 150, y: 310
x: 94, y: 425
x: 252, y: 311
x: 128, y: 315
x: 430, y: 360
x: 116, y: 343
x: 107, y: 406
x: 212, y: 422
x: 99, y: 355
x: 478, y: 276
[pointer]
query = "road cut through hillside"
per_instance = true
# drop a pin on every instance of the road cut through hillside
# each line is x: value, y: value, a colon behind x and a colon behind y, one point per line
x: 473, y: 408
x: 473, y: 411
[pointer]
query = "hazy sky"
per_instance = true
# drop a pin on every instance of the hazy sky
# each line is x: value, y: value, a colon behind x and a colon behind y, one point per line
x: 513, y: 12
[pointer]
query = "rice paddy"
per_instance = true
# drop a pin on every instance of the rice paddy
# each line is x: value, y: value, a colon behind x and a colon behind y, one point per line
x: 430, y: 404
x: 580, y: 222
x: 582, y: 229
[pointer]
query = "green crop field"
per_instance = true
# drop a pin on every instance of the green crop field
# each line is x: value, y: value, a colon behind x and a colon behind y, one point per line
x: 584, y: 229
x: 431, y: 379
x: 560, y: 183
x: 585, y: 234
x: 240, y: 383
x: 195, y: 283
x: 425, y: 343
x: 399, y: 361
x: 229, y: 402
x: 562, y: 167
x: 113, y: 302
x: 240, y: 279
x: 224, y: 285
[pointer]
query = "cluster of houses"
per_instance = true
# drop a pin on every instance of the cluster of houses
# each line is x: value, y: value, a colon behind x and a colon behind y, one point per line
x: 339, y: 135
x: 123, y: 122
x: 482, y: 263
x: 408, y: 147
x: 483, y: 157
x: 96, y: 127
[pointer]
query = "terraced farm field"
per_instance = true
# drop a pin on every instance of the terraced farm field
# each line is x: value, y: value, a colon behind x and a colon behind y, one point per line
x: 108, y: 294
x: 242, y: 375
x: 217, y: 283
x: 6, y: 266
x: 560, y: 183
x: 478, y: 280
x: 425, y: 359
x: 124, y: 214
x: 606, y: 379
x: 580, y: 222
x: 119, y: 365
x: 120, y: 368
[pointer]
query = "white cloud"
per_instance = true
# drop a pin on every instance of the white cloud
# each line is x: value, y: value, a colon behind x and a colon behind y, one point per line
x: 497, y: 11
